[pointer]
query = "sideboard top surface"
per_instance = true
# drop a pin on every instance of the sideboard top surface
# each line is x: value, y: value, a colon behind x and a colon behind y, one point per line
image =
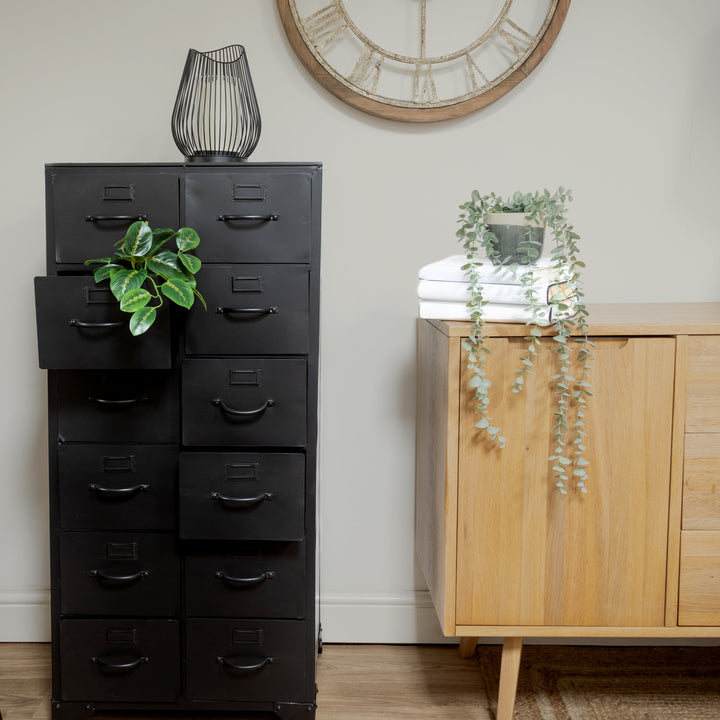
x: 618, y: 319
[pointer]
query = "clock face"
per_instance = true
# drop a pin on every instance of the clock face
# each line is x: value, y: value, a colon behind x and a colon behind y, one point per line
x: 421, y: 60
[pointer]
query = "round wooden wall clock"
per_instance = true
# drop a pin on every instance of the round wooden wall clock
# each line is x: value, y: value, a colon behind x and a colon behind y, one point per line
x: 421, y: 60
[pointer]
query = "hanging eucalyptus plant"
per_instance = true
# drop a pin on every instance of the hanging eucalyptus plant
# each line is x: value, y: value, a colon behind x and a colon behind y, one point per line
x: 569, y: 318
x: 142, y: 273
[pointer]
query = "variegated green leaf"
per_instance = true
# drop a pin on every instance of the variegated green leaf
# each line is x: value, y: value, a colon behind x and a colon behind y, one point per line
x: 124, y: 280
x: 187, y: 239
x: 165, y: 263
x: 179, y: 292
x: 141, y: 320
x: 98, y: 260
x: 138, y: 239
x: 106, y: 271
x: 191, y: 262
x: 134, y: 299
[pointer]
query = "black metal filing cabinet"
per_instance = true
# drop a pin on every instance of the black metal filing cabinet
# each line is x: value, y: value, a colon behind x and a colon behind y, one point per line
x: 183, y: 461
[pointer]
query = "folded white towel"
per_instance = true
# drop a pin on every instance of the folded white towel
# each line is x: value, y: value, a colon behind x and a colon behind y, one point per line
x: 450, y: 269
x: 447, y: 291
x: 492, y: 312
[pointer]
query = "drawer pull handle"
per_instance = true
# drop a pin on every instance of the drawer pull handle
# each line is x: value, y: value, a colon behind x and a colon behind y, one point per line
x: 120, y: 667
x: 105, y: 493
x: 236, y: 582
x: 272, y: 217
x: 228, y: 663
x: 128, y: 401
x: 271, y: 310
x: 118, y: 580
x: 79, y: 324
x: 115, y: 218
x: 240, y: 503
x: 247, y: 414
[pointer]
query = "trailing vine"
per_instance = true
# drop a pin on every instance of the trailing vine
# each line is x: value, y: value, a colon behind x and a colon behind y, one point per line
x: 569, y: 318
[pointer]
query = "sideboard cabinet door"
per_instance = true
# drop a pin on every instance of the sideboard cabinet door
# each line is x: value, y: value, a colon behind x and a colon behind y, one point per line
x: 528, y: 555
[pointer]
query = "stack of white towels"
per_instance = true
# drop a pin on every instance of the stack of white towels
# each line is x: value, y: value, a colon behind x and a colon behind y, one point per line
x: 444, y: 290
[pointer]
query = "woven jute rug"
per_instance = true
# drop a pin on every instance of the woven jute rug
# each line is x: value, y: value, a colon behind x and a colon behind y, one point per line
x: 610, y: 683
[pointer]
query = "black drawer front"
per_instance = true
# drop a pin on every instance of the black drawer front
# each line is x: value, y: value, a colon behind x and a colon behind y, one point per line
x: 251, y: 309
x: 242, y: 496
x: 259, y: 580
x: 92, y: 210
x: 252, y: 216
x: 117, y: 487
x: 246, y: 660
x: 80, y: 325
x: 112, y: 573
x: 117, y: 406
x: 244, y: 401
x: 120, y: 660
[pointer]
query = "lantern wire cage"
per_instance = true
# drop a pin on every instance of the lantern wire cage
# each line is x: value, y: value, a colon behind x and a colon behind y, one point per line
x: 216, y: 116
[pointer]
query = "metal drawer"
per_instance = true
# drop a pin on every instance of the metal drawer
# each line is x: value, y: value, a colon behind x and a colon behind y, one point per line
x: 252, y: 580
x: 242, y: 496
x: 250, y: 215
x: 246, y: 659
x: 80, y: 326
x: 120, y: 660
x: 250, y: 309
x: 90, y: 210
x: 244, y: 401
x: 119, y: 573
x: 117, y: 406
x: 114, y: 487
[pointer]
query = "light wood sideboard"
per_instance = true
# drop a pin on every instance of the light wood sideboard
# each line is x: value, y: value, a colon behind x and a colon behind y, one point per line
x: 505, y: 555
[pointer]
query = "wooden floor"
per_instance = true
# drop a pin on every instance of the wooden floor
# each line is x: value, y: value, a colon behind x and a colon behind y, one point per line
x: 356, y: 682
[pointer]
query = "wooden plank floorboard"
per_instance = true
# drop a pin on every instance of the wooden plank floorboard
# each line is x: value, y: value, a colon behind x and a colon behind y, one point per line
x: 356, y: 682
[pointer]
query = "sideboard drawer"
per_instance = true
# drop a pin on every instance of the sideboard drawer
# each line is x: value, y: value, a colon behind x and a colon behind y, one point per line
x: 703, y: 385
x: 701, y: 486
x: 119, y: 574
x: 117, y: 487
x: 245, y: 659
x: 252, y: 216
x: 250, y: 309
x: 699, y: 602
x: 253, y: 580
x: 117, y: 406
x: 242, y: 496
x: 120, y: 660
x: 244, y: 401
x: 80, y: 326
x: 92, y: 210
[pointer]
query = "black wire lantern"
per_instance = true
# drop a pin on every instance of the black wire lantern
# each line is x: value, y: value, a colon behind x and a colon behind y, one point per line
x: 216, y: 116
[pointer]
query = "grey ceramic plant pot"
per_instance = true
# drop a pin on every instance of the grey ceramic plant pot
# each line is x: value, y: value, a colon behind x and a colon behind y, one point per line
x: 514, y: 235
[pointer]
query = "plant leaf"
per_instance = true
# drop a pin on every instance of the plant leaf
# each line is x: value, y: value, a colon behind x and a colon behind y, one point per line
x: 187, y: 239
x: 106, y: 271
x: 134, y: 299
x: 191, y: 262
x: 138, y: 239
x: 124, y: 280
x: 179, y: 292
x: 165, y: 263
x: 141, y: 320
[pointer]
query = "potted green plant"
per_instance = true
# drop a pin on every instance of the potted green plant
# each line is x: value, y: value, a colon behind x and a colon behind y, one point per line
x: 142, y: 272
x: 515, y: 257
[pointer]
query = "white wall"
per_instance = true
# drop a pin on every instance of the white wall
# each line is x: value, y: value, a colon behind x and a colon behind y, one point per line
x: 624, y: 110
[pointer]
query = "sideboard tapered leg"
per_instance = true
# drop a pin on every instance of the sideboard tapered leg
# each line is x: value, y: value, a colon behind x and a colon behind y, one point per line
x: 509, y: 670
x: 467, y: 647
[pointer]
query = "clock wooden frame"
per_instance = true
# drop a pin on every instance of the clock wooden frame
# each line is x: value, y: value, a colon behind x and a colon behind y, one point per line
x: 415, y: 113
